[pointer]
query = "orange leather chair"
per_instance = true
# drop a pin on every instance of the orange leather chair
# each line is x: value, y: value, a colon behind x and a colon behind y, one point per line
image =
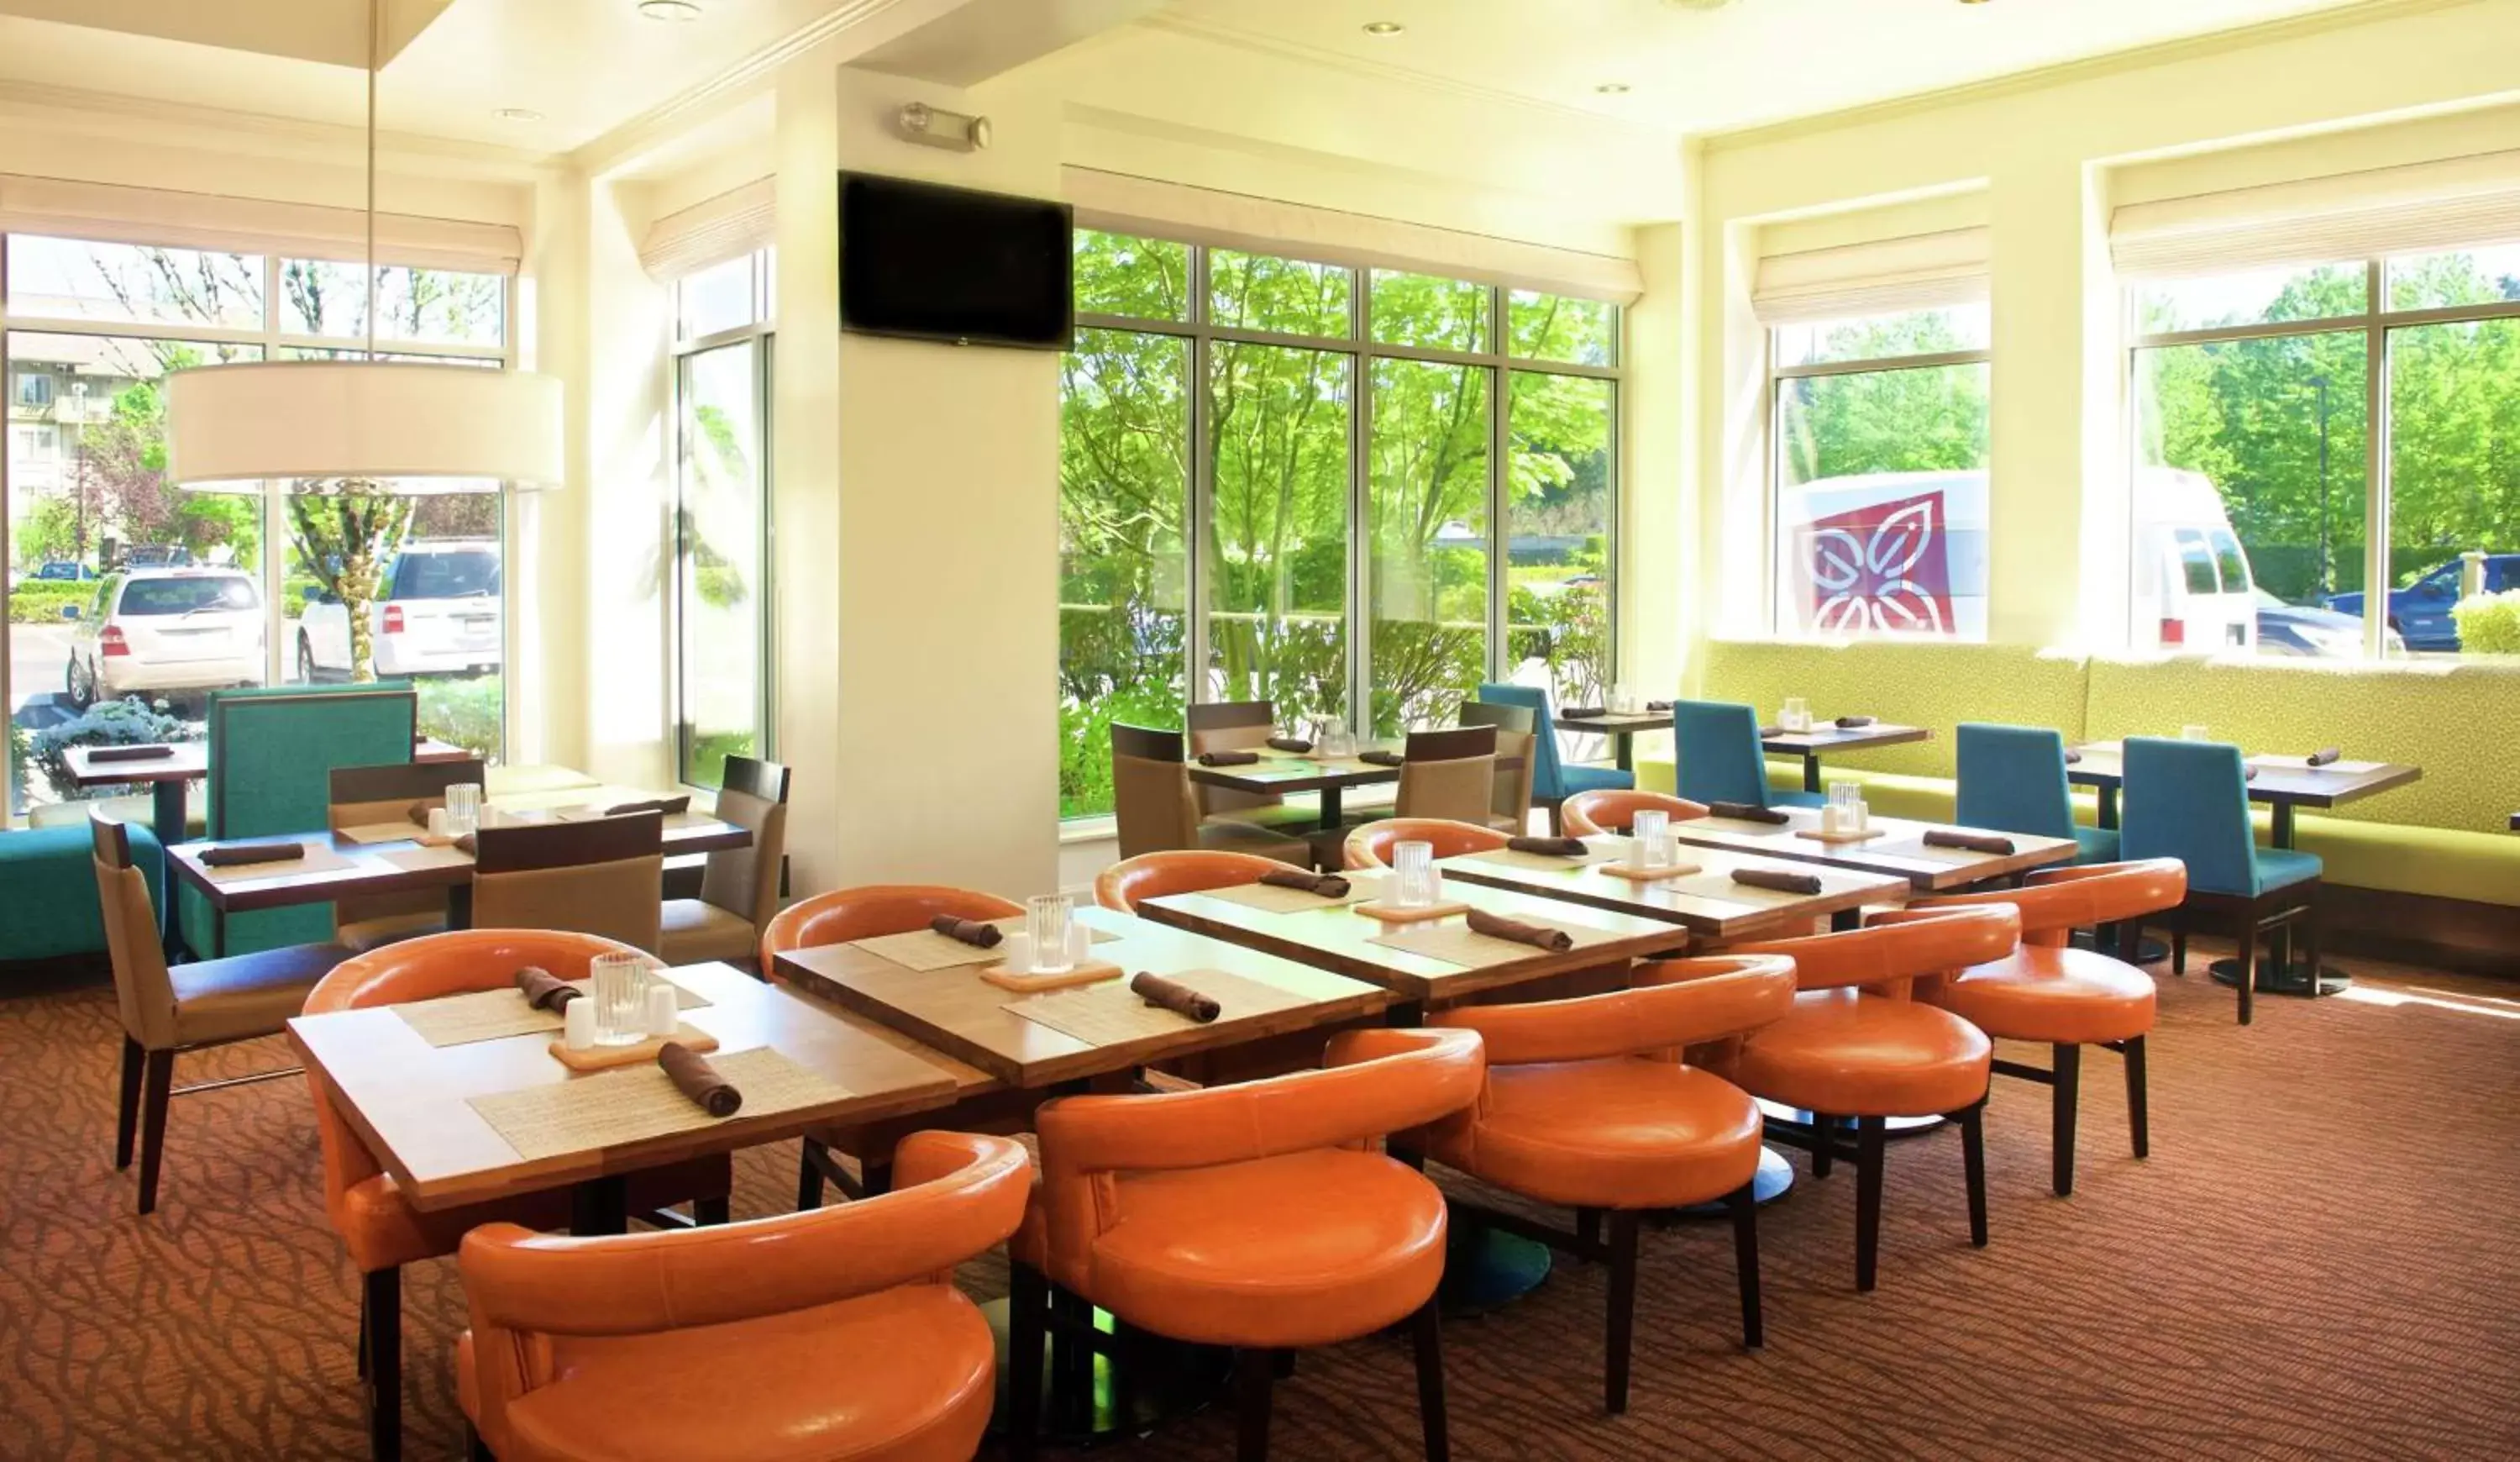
x: 818, y: 1334
x: 1586, y: 1108
x: 1370, y: 846
x: 378, y: 1226
x: 1856, y: 1045
x: 837, y: 918
x: 1254, y: 1216
x: 1613, y: 811
x: 1185, y: 871
x: 2066, y: 998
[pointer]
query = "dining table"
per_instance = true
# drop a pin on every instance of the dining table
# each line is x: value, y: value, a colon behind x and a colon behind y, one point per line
x: 1276, y: 773
x: 169, y: 768
x: 1703, y: 899
x: 1622, y: 727
x: 1825, y: 737
x: 1894, y: 846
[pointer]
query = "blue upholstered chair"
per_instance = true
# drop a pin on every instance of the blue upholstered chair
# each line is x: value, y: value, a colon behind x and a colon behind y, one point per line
x: 1553, y: 781
x: 2012, y: 779
x: 1720, y: 758
x: 2189, y: 801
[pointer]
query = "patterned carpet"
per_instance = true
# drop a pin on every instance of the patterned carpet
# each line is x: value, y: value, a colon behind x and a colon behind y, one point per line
x: 2321, y: 1259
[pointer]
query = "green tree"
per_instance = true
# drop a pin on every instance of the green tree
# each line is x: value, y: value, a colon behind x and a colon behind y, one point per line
x: 345, y: 530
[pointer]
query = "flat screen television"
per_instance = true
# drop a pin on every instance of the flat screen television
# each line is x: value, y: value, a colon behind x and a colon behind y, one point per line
x: 936, y: 264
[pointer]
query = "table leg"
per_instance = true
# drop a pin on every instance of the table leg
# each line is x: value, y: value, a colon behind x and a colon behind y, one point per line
x: 1895, y: 1126
x: 2108, y: 806
x: 167, y: 819
x: 1330, y: 808
x: 1811, y: 772
x: 599, y: 1205
x: 1098, y: 1398
x: 1623, y: 749
x: 2280, y: 973
x: 458, y: 905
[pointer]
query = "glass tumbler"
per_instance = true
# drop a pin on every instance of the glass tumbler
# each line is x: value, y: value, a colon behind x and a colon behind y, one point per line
x: 463, y: 807
x: 621, y: 983
x: 2195, y: 733
x: 1046, y: 923
x: 1415, y: 865
x: 1335, y: 740
x: 1651, y: 832
x: 1796, y: 716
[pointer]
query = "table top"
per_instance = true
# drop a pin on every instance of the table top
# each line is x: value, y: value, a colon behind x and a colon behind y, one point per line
x: 1730, y: 915
x: 1293, y: 771
x: 2279, y: 779
x: 191, y: 761
x: 1616, y: 722
x: 965, y: 1016
x: 1336, y: 937
x: 407, y: 1099
x: 1828, y: 736
x: 1897, y: 852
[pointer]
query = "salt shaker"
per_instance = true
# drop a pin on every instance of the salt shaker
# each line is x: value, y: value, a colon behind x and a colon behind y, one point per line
x: 664, y: 1010
x: 441, y: 824
x: 577, y: 1025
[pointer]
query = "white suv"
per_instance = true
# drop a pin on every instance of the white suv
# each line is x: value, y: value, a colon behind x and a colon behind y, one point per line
x: 167, y: 630
x: 436, y: 613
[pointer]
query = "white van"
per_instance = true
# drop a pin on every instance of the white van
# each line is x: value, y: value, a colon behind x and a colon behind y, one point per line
x: 2194, y: 589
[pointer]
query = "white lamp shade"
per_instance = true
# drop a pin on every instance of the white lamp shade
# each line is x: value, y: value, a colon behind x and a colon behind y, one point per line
x: 363, y: 419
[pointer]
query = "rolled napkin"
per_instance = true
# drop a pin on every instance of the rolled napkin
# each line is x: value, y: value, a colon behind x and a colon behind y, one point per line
x: 130, y: 753
x: 236, y: 855
x: 2072, y: 755
x: 1227, y: 758
x: 1290, y: 744
x: 696, y: 1079
x: 1326, y: 884
x: 1770, y: 733
x: 2321, y: 757
x: 1984, y: 843
x: 1537, y: 936
x: 467, y: 844
x: 545, y: 991
x: 1776, y: 882
x: 1383, y: 758
x: 1174, y: 996
x: 418, y: 813
x: 971, y: 931
x: 2248, y: 774
x: 1853, y: 722
x: 1585, y: 712
x: 671, y: 806
x: 1554, y: 847
x: 1747, y: 812
x: 1657, y: 706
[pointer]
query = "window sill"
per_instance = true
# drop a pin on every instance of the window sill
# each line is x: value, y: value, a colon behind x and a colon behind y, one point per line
x: 1087, y: 830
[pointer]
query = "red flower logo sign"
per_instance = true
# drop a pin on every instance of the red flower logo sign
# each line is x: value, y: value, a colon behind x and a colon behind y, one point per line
x: 1882, y: 567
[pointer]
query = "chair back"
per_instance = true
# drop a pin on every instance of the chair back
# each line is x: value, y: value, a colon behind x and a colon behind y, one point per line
x: 744, y: 881
x: 1717, y: 747
x: 2012, y: 779
x: 862, y: 913
x: 2189, y: 801
x: 1370, y: 846
x: 1615, y: 811
x: 1449, y: 774
x: 1515, y: 740
x: 1152, y: 802
x: 2056, y: 901
x: 1887, y: 955
x: 602, y: 877
x: 364, y: 795
x: 1675, y: 1004
x: 144, y: 996
x: 1548, y: 780
x: 1230, y: 726
x: 1188, y: 871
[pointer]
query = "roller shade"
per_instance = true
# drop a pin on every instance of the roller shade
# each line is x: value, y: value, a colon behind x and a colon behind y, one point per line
x: 1118, y: 203
x: 726, y: 227
x: 111, y: 214
x: 2451, y: 204
x: 1890, y: 276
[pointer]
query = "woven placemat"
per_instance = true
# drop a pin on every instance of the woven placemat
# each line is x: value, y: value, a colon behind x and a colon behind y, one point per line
x: 421, y: 859
x: 319, y: 858
x: 637, y: 1103
x: 493, y: 1015
x: 1112, y: 1014
x: 924, y: 949
x: 1456, y: 944
x: 1508, y: 857
x: 380, y: 832
x: 1269, y: 898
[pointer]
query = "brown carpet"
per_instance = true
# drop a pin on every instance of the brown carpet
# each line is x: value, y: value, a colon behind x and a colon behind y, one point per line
x: 2321, y: 1259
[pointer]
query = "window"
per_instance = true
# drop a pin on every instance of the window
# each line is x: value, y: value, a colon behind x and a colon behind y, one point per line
x: 722, y: 518
x: 2323, y: 427
x: 1288, y: 481
x: 1879, y: 443
x: 428, y: 306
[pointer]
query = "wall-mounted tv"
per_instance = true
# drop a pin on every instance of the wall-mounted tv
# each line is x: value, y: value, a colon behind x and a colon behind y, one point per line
x: 937, y: 263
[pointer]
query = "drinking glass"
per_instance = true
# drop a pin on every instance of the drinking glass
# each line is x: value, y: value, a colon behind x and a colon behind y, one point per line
x: 2195, y: 733
x: 620, y: 998
x: 1046, y: 921
x: 463, y: 807
x: 1651, y: 833
x: 1844, y: 794
x: 1622, y: 699
x: 1796, y: 716
x: 1415, y: 863
x: 1336, y: 740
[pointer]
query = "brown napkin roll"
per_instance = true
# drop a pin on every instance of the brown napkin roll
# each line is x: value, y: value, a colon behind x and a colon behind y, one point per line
x: 1853, y: 722
x: 671, y: 806
x: 1585, y: 712
x: 236, y: 855
x: 696, y: 1079
x: 468, y: 846
x: 1227, y: 758
x: 545, y: 991
x: 2321, y: 757
x: 1657, y: 706
x: 1770, y: 733
x: 1747, y: 812
x: 971, y: 931
x: 1383, y: 758
x: 418, y: 813
x: 1326, y: 884
x: 1174, y: 996
x: 2072, y: 755
x: 1537, y: 936
x: 1554, y: 847
x: 1972, y: 841
x: 1290, y: 744
x: 130, y: 753
x: 2248, y: 774
x: 1776, y: 882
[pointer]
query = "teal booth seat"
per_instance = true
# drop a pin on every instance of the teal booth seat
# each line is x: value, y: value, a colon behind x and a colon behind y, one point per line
x: 1553, y: 780
x: 48, y: 901
x: 2012, y: 779
x: 273, y: 749
x: 1719, y: 757
x: 2189, y: 800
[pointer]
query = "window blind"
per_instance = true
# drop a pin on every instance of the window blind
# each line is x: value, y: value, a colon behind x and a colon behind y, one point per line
x: 2419, y: 208
x: 728, y: 226
x: 1887, y: 276
x: 110, y: 213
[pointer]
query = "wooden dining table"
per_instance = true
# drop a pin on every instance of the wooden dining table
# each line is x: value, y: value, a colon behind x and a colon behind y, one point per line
x: 2284, y: 782
x: 173, y: 766
x: 1277, y: 773
x: 1706, y: 903
x: 1896, y: 849
x: 1824, y: 737
x: 1622, y: 727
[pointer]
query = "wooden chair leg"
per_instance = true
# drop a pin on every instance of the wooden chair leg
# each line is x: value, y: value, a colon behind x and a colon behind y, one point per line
x: 1253, y: 1377
x: 2067, y: 1090
x: 126, y: 1112
x: 157, y: 1081
x: 2138, y: 1124
x: 1426, y: 1334
x: 1623, y: 1308
x: 1871, y: 1136
x: 711, y: 1210
x: 1588, y: 1226
x: 1027, y: 1309
x: 1745, y: 1203
x: 382, y: 1301
x: 1973, y: 1122
x: 1823, y: 1144
x: 2178, y: 950
x: 809, y: 1177
x: 2248, y: 964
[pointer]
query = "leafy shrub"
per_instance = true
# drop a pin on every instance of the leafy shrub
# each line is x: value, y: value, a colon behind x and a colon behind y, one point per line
x: 130, y: 721
x: 708, y: 754
x: 461, y: 711
x: 39, y: 601
x: 2488, y: 624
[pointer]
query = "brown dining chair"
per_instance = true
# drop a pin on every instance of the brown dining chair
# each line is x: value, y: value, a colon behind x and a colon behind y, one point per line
x: 1154, y: 803
x: 1449, y: 774
x: 604, y: 876
x: 1238, y: 726
x: 361, y: 795
x: 1514, y: 733
x: 740, y: 886
x: 190, y: 1007
x: 1588, y: 812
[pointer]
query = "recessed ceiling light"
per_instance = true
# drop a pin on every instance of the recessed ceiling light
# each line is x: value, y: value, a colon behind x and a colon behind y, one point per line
x: 669, y: 10
x: 1612, y: 88
x: 519, y: 114
x: 1383, y: 28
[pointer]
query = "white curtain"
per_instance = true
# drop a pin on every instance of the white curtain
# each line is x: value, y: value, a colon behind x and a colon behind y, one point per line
x: 112, y: 214
x: 2419, y: 208
x: 1888, y: 276
x: 726, y: 227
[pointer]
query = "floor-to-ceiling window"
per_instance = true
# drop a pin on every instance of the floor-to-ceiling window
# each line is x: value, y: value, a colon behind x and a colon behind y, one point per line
x: 1356, y: 493
x: 723, y: 329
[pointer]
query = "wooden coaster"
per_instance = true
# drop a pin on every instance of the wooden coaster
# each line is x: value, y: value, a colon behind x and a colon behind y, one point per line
x: 1394, y: 914
x: 1834, y: 839
x: 1636, y: 875
x: 1085, y: 972
x: 606, y: 1058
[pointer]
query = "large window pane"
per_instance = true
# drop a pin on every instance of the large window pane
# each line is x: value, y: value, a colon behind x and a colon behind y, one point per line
x: 718, y: 562
x: 1881, y: 502
x: 1554, y: 327
x: 1145, y: 279
x: 2263, y: 296
x: 1558, y: 500
x: 2465, y: 276
x: 2249, y: 495
x: 718, y: 297
x: 77, y: 280
x: 2453, y: 477
x: 1924, y: 331
x: 1288, y: 296
x: 1277, y: 596
x: 1429, y: 524
x: 435, y: 306
x: 1123, y: 573
x: 1435, y: 314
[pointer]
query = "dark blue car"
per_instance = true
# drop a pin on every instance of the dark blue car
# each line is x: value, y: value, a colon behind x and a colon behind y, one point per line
x: 2422, y: 610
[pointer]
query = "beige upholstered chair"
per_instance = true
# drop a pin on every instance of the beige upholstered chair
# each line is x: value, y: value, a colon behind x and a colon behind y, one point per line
x: 1511, y: 809
x: 364, y: 795
x: 183, y: 1008
x: 1239, y: 726
x: 1450, y: 775
x: 740, y: 888
x: 1155, y: 805
x: 602, y: 877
